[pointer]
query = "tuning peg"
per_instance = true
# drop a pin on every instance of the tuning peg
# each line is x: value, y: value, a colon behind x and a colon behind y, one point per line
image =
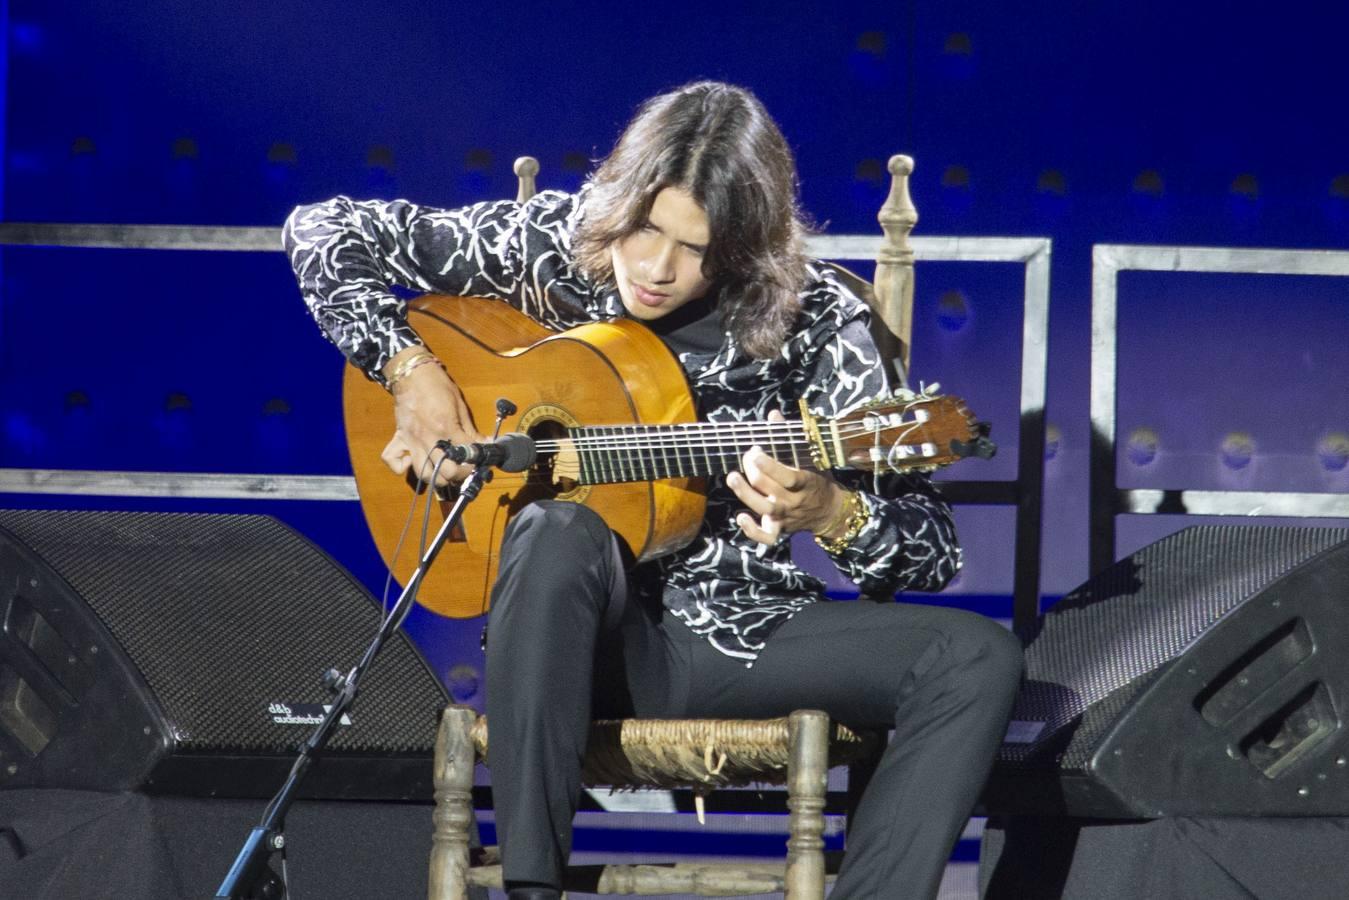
x: 981, y: 447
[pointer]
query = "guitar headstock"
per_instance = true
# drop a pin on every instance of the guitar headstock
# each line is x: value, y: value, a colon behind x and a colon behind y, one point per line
x: 910, y: 432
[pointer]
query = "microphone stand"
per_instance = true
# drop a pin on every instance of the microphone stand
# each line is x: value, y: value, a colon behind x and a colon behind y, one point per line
x: 251, y: 877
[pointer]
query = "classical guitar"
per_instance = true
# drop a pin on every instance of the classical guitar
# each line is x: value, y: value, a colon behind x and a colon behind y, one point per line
x: 642, y: 470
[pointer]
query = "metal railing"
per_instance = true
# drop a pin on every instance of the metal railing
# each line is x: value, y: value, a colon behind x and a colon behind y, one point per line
x: 1107, y: 499
x: 1024, y: 493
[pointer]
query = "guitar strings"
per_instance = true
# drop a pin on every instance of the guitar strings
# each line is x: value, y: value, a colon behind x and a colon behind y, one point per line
x: 726, y: 452
x: 664, y: 439
x: 787, y: 429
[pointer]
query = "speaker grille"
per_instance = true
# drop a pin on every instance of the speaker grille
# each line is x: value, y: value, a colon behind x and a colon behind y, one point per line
x: 228, y: 614
x: 1108, y: 639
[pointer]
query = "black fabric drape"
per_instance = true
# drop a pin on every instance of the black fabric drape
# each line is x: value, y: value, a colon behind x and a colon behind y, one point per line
x: 1030, y: 858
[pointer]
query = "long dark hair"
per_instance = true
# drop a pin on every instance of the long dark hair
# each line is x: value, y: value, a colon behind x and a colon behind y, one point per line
x: 717, y: 142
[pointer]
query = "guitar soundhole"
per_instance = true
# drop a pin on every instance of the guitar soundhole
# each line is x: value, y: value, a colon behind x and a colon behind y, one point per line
x: 556, y: 471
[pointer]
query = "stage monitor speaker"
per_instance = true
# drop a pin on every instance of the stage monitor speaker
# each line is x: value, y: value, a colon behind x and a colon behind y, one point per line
x: 1207, y: 674
x: 182, y: 654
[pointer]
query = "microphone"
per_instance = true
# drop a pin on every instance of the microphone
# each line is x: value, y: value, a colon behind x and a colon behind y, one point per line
x: 512, y: 452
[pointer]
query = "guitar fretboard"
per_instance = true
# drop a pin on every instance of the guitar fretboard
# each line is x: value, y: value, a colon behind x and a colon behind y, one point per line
x: 612, y: 454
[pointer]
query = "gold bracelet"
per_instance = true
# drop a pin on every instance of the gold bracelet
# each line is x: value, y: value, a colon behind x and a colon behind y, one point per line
x: 858, y: 515
x: 405, y: 367
x: 844, y: 509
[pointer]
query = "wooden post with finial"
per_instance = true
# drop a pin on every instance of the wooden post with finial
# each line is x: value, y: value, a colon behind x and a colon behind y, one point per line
x: 892, y: 328
x: 526, y: 167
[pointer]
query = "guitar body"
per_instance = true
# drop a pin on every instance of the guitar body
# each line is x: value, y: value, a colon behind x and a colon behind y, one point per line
x: 610, y: 373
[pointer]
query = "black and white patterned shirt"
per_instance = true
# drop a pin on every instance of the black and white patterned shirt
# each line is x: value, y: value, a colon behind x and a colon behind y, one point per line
x: 347, y: 256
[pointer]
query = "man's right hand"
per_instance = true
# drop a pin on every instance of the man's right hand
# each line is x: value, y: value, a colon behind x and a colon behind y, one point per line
x: 428, y: 407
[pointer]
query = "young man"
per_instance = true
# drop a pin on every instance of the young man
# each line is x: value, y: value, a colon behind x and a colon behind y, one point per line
x: 690, y: 226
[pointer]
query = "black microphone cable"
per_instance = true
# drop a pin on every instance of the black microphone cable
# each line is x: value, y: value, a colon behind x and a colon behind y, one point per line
x: 428, y: 484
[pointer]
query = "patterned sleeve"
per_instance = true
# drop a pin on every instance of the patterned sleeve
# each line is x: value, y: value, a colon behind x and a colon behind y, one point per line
x: 909, y: 541
x: 349, y: 255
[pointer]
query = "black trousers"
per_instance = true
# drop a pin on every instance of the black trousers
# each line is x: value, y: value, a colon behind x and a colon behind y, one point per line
x: 569, y: 642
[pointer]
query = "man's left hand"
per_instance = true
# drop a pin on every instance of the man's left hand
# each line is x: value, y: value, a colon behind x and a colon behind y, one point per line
x: 782, y: 499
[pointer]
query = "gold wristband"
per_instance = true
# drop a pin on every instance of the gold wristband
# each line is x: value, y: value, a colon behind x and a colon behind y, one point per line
x: 844, y: 509
x: 405, y: 367
x: 857, y: 513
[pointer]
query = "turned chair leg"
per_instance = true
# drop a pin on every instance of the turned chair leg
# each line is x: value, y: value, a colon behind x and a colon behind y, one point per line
x: 807, y: 781
x: 454, y: 811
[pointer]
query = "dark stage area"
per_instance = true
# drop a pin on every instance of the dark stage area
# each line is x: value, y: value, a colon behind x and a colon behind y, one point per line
x: 1215, y: 858
x: 65, y: 844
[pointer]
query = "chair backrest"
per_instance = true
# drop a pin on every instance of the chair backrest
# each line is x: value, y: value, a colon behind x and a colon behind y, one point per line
x: 890, y: 296
x: 525, y: 168
x: 892, y: 326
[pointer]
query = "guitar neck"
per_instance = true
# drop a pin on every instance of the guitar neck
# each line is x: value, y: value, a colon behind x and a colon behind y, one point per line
x: 611, y: 454
x: 896, y: 435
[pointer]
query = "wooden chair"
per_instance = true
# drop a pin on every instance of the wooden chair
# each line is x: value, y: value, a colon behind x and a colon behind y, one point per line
x: 699, y: 754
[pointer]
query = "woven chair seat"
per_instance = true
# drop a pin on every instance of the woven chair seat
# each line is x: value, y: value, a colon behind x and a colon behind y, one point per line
x: 700, y: 754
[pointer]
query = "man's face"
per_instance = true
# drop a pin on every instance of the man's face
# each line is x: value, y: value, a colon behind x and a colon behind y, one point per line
x: 659, y: 267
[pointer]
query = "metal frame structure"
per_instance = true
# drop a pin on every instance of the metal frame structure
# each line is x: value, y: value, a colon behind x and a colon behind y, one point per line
x: 1107, y: 499
x: 1025, y: 492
